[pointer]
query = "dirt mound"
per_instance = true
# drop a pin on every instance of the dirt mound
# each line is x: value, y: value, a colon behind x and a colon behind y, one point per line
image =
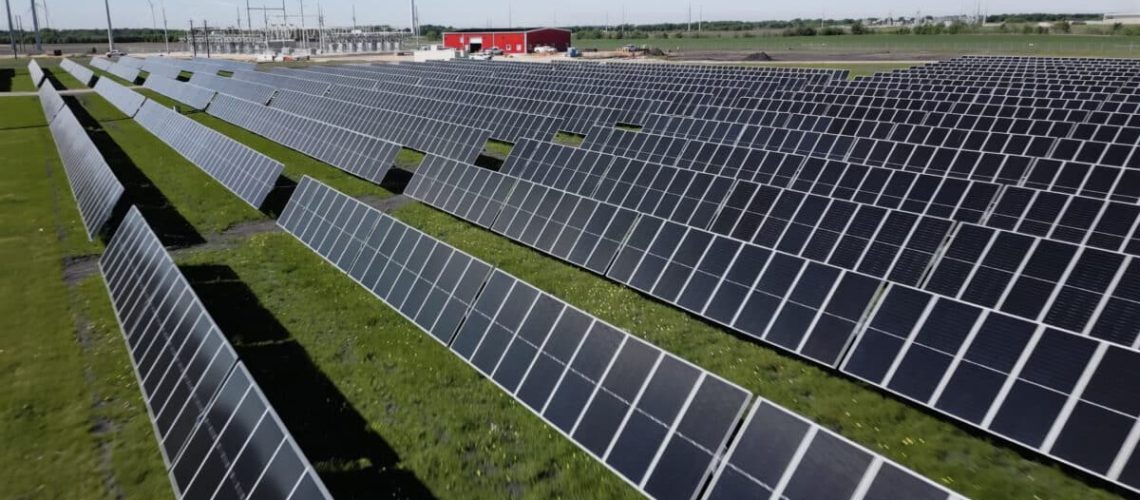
x: 758, y: 56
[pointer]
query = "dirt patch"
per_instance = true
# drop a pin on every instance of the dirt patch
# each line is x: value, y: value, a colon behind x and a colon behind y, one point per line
x: 232, y: 236
x: 386, y: 205
x: 78, y: 268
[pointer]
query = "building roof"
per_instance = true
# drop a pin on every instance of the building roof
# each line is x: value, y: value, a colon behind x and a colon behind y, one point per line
x: 502, y: 30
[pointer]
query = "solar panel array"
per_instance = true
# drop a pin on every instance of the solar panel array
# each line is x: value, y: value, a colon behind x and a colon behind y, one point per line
x: 282, y: 82
x: 360, y: 155
x: 999, y: 301
x: 80, y: 72
x: 51, y: 102
x: 35, y: 73
x: 656, y: 420
x: 124, y: 71
x: 218, y: 434
x: 422, y: 134
x: 247, y: 173
x: 101, y: 63
x: 887, y: 227
x: 160, y: 66
x: 257, y: 93
x: 186, y: 93
x: 782, y: 455
x: 124, y: 99
x: 93, y: 184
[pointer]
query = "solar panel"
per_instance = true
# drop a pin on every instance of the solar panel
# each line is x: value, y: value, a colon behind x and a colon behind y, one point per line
x: 124, y: 71
x: 259, y: 94
x: 35, y: 73
x: 428, y: 282
x: 779, y: 454
x: 218, y: 434
x: 124, y: 99
x: 101, y: 63
x: 81, y: 73
x: 656, y: 420
x: 51, y: 102
x: 247, y: 173
x: 158, y: 66
x: 186, y: 93
x: 1060, y: 394
x: 365, y: 157
x: 95, y: 188
x: 282, y: 82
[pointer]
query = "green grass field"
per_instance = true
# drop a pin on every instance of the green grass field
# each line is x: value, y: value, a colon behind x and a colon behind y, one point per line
x: 915, y: 45
x: 376, y: 405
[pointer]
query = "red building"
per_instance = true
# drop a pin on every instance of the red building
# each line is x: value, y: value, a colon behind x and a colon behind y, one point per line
x: 510, y: 41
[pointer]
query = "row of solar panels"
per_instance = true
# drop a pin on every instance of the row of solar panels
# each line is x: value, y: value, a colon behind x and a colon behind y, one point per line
x: 1100, y: 223
x: 1066, y: 455
x: 867, y: 472
x: 964, y: 364
x: 218, y: 435
x: 657, y: 421
x: 217, y: 432
x: 248, y: 174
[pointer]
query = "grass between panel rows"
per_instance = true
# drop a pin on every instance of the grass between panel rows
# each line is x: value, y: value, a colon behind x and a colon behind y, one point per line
x: 72, y: 421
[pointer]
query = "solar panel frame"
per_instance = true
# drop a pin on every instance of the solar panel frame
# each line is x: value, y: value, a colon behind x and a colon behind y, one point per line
x: 35, y: 73
x: 94, y: 187
x: 81, y: 73
x: 389, y: 242
x: 125, y: 100
x: 51, y: 102
x: 186, y: 93
x: 152, y: 299
x: 784, y: 440
x: 244, y: 171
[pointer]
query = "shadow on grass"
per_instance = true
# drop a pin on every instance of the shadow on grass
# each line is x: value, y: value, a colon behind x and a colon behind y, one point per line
x: 6, y: 76
x: 489, y: 162
x: 53, y: 80
x: 396, y: 180
x: 278, y: 197
x: 172, y: 229
x: 352, y: 460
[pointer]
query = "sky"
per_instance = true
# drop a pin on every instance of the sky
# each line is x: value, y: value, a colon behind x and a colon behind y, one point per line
x: 464, y: 13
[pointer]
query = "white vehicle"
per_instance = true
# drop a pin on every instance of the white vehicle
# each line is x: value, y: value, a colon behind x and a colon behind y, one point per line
x: 481, y: 56
x: 545, y: 49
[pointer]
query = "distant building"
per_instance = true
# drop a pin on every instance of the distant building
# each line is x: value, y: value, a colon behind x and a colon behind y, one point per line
x: 1122, y: 18
x: 510, y: 41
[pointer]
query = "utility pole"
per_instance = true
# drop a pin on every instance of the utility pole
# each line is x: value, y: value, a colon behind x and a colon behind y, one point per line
x: 11, y: 34
x: 700, y: 17
x: 304, y: 36
x: 110, y: 37
x: 689, y: 26
x: 354, y: 17
x: 165, y: 37
x: 248, y: 18
x: 206, y: 33
x: 412, y: 13
x: 193, y: 40
x: 320, y: 28
x: 36, y: 26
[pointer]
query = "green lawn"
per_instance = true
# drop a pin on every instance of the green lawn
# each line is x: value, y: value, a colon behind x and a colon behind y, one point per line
x: 933, y: 45
x: 74, y: 425
x: 375, y: 404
